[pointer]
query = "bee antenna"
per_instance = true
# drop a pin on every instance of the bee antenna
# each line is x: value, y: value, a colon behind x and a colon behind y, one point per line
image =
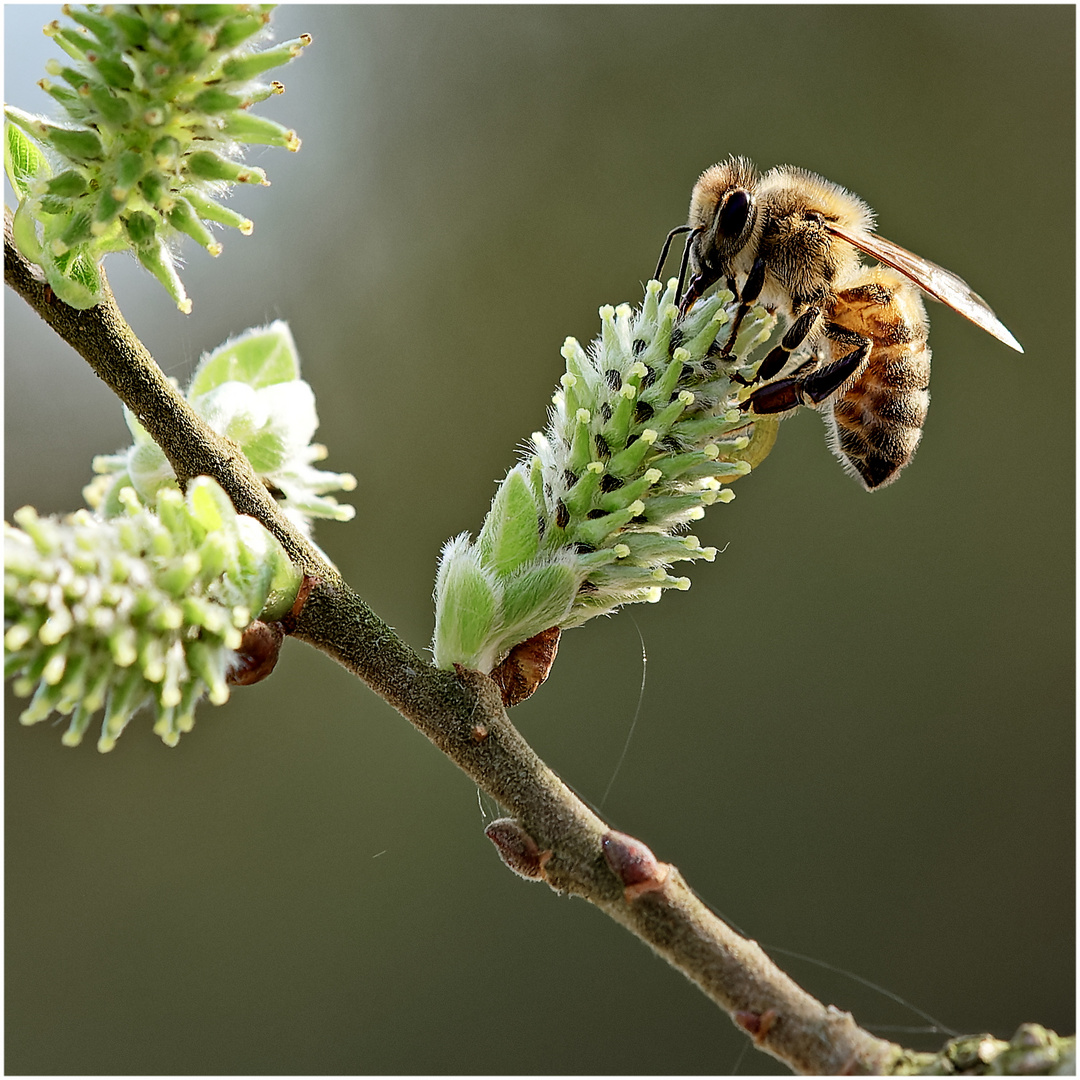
x: 686, y: 259
x: 667, y: 244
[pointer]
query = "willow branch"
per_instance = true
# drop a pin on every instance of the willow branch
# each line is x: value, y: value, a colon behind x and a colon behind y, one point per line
x: 102, y: 337
x: 552, y: 835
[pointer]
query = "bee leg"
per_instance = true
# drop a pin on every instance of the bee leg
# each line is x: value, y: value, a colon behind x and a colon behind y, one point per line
x: 698, y: 284
x: 801, y: 371
x: 827, y: 380
x: 814, y: 388
x: 796, y: 334
x: 755, y: 282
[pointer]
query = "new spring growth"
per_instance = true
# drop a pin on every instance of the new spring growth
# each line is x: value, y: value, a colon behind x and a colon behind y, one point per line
x: 644, y: 433
x: 157, y: 101
x: 250, y: 390
x: 142, y: 609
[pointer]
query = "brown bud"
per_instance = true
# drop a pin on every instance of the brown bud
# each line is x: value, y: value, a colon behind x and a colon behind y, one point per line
x: 633, y: 863
x: 526, y: 666
x: 257, y: 654
x: 757, y: 1024
x: 516, y: 848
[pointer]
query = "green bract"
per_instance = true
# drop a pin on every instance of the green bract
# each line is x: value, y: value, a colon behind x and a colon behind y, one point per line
x: 157, y: 99
x: 141, y: 609
x: 250, y: 390
x: 644, y: 434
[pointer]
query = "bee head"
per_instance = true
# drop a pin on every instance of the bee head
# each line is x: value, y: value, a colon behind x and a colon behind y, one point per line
x: 724, y: 208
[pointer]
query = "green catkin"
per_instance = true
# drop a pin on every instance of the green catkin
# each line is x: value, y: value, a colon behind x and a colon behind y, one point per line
x: 158, y: 101
x: 639, y: 442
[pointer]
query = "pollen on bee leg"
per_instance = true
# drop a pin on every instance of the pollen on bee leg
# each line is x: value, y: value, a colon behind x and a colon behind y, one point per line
x: 479, y: 732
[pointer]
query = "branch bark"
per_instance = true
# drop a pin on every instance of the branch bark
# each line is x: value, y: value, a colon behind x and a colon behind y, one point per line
x: 552, y: 835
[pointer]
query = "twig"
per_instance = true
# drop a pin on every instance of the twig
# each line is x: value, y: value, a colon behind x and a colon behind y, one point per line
x: 552, y: 835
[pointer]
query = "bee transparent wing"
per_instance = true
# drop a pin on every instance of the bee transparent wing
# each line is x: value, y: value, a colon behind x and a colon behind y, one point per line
x: 940, y: 283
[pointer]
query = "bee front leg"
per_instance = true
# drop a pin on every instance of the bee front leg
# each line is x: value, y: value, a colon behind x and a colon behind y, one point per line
x: 698, y: 284
x: 751, y: 290
x: 820, y: 384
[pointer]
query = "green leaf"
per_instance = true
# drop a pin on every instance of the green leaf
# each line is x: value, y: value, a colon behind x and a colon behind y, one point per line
x: 258, y: 357
x: 84, y: 271
x: 24, y: 233
x: 264, y: 574
x: 536, y: 599
x: 270, y: 424
x: 71, y: 289
x: 510, y: 536
x: 266, y: 451
x: 68, y: 185
x: 149, y: 469
x: 466, y: 606
x: 23, y: 160
x: 209, y: 504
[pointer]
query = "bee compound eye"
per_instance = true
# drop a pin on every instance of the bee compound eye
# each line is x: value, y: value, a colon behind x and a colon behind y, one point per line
x: 733, y: 214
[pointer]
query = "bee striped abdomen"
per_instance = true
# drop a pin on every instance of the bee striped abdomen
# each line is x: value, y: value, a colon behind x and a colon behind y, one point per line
x: 876, y: 422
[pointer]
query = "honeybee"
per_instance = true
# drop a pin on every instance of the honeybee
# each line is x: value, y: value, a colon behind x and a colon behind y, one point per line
x: 790, y: 240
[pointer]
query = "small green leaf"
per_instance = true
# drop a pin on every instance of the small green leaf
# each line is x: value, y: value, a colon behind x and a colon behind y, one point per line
x: 23, y: 160
x: 266, y: 577
x: 215, y: 100
x: 536, y: 599
x: 212, y: 211
x: 83, y: 270
x: 24, y: 233
x: 141, y: 227
x: 242, y: 68
x: 259, y: 357
x: 183, y: 218
x: 115, y: 72
x: 206, y: 165
x: 71, y: 289
x: 209, y: 504
x: 266, y: 451
x: 510, y: 536
x: 149, y: 469
x: 239, y: 28
x: 466, y: 609
x: 113, y: 108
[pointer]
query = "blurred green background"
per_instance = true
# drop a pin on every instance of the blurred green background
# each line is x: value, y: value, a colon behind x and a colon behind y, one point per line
x: 856, y: 735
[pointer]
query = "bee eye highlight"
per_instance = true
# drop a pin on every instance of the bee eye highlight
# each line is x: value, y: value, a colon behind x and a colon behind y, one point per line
x: 733, y: 214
